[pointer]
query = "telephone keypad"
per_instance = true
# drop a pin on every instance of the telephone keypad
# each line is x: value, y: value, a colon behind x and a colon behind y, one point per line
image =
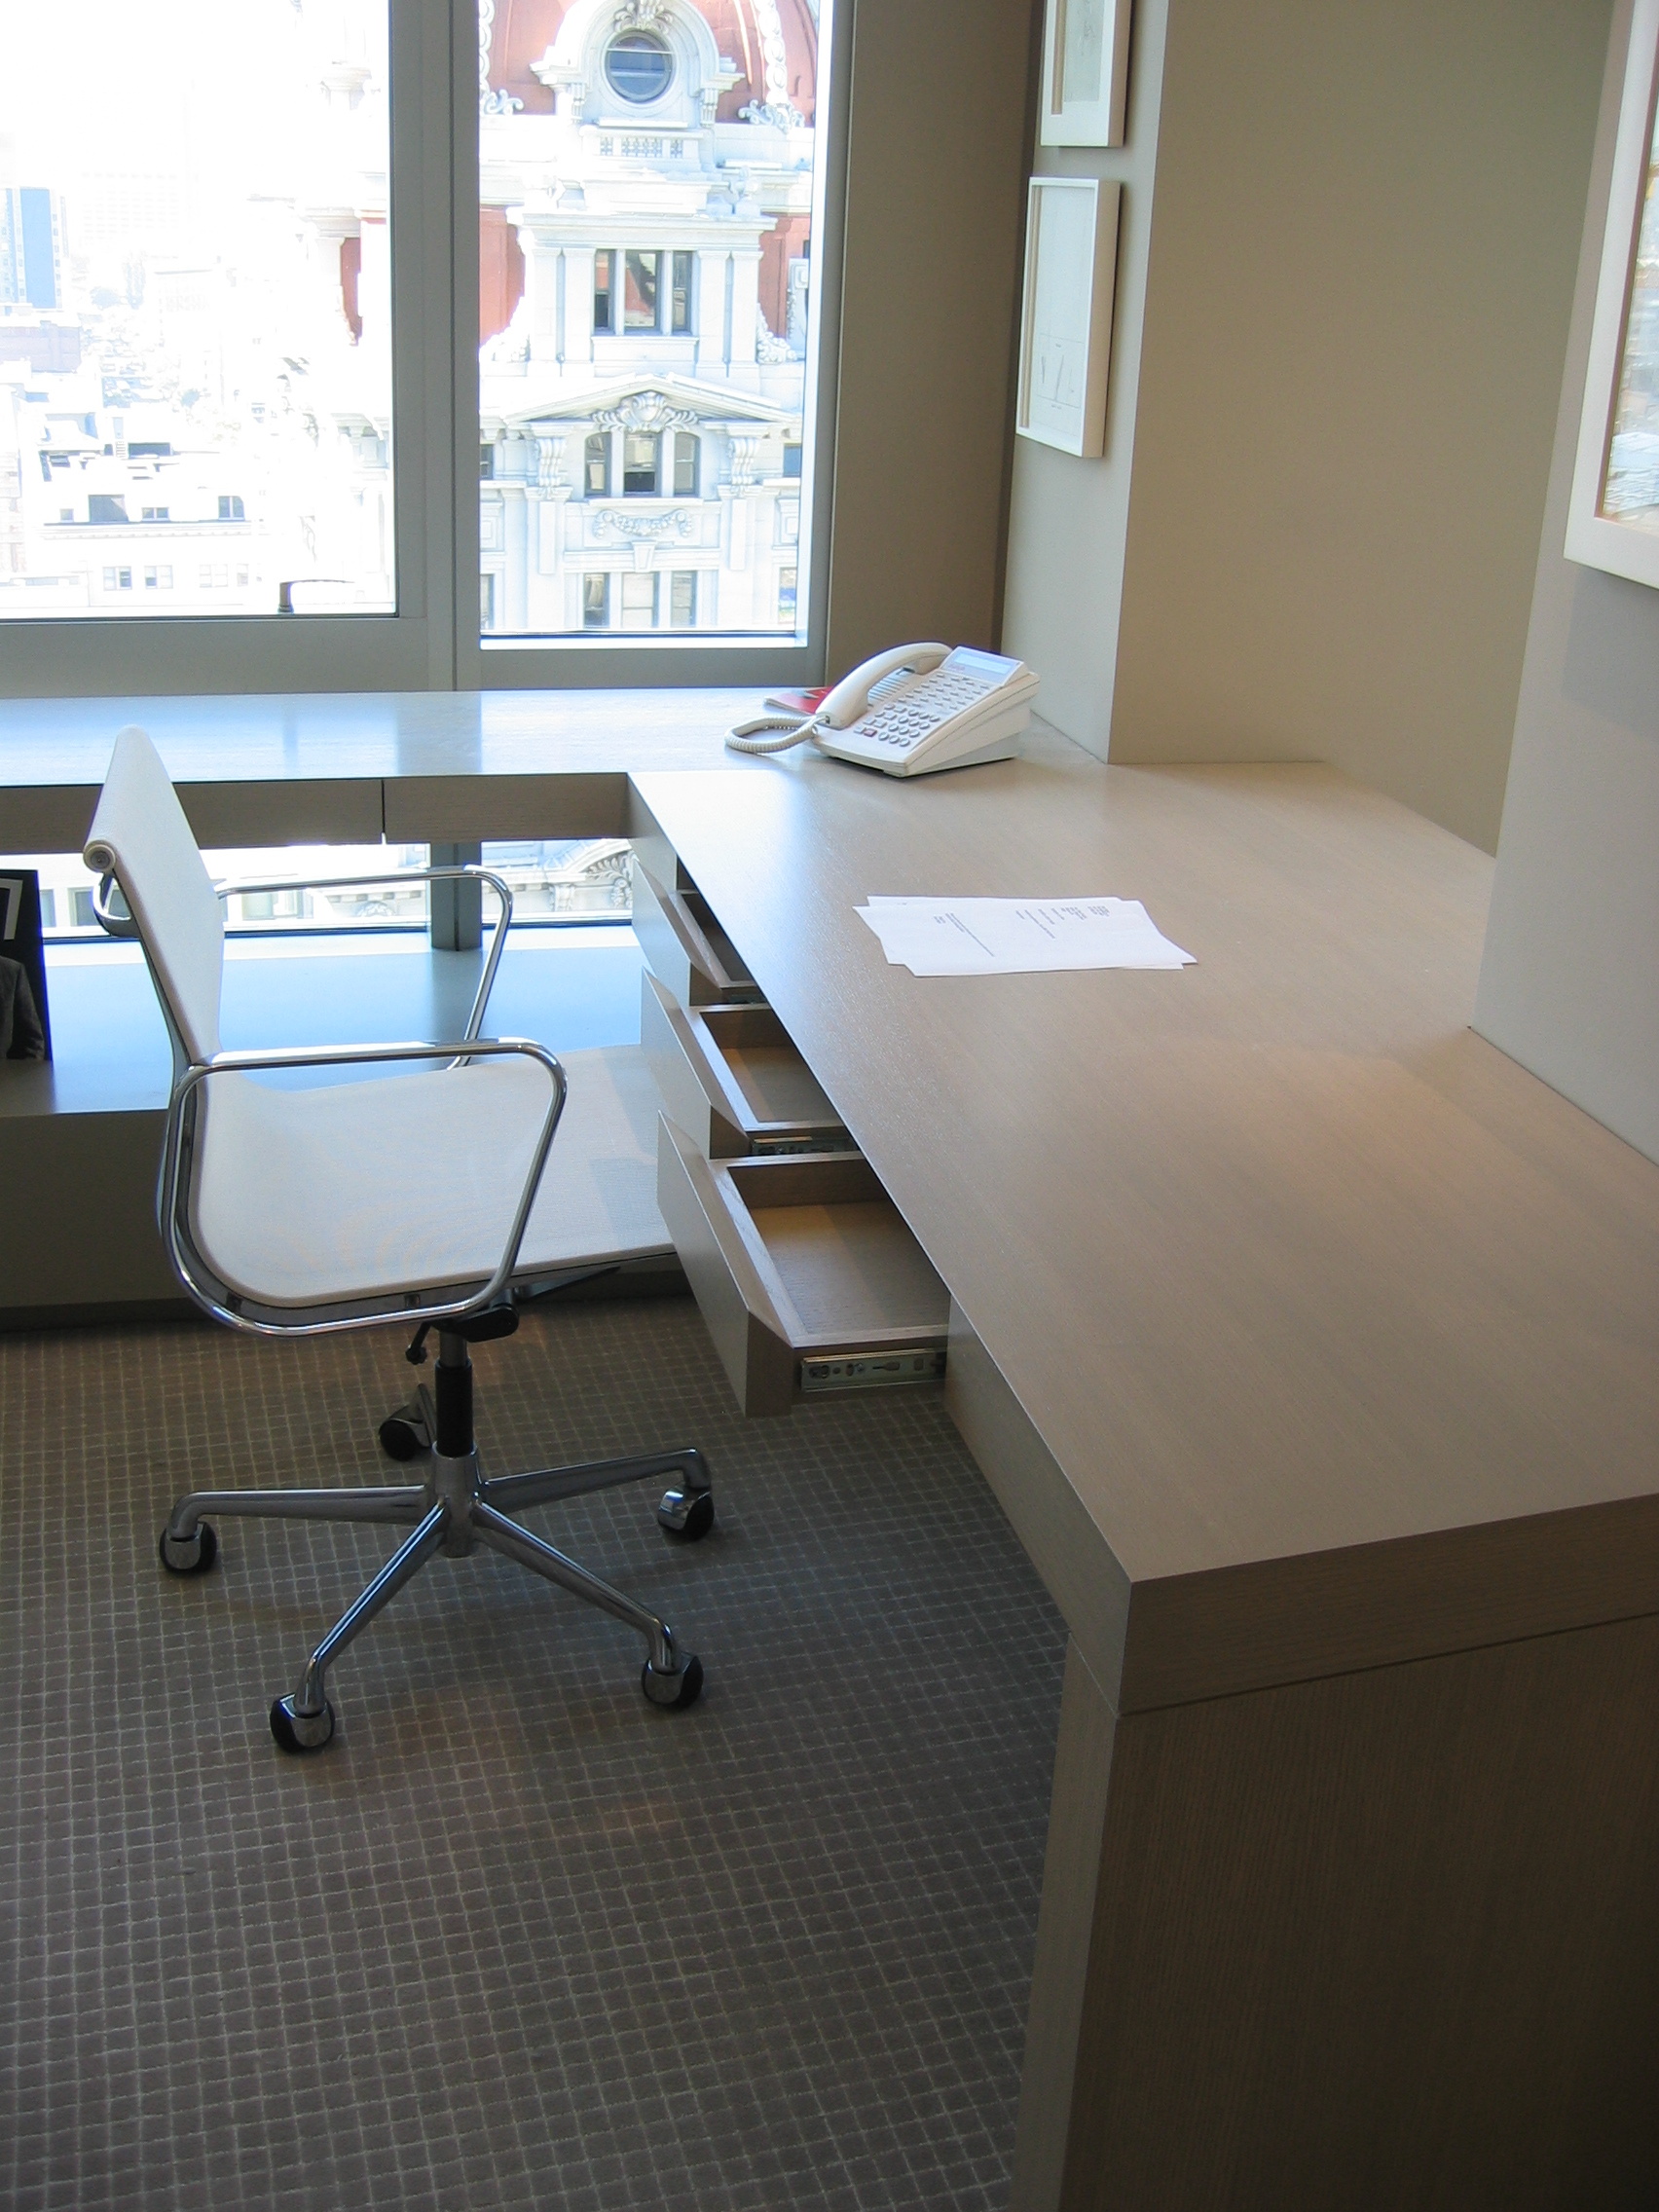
x: 921, y: 708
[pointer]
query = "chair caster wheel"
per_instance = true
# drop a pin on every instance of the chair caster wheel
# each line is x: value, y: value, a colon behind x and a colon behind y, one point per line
x: 400, y: 1437
x: 299, y: 1732
x: 687, y: 1515
x: 675, y: 1691
x: 195, y: 1555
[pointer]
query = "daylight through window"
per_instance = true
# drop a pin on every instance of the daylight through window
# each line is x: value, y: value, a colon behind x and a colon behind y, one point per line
x: 646, y: 193
x: 194, y: 312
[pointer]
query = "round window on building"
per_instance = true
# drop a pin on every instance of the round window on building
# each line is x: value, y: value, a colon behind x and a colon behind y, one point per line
x: 639, y: 67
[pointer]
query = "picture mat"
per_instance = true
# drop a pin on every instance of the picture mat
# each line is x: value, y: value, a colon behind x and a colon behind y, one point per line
x: 1621, y: 534
x: 1071, y: 245
x: 1086, y: 72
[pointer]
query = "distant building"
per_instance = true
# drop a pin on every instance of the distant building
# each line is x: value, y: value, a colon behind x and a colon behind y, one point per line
x: 31, y: 246
x: 646, y: 201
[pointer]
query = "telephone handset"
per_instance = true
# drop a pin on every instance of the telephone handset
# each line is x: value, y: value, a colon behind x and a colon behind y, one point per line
x: 910, y: 711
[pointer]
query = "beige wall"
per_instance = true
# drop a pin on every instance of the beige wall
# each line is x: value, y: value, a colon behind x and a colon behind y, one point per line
x: 936, y: 166
x: 1569, y: 985
x: 1358, y: 284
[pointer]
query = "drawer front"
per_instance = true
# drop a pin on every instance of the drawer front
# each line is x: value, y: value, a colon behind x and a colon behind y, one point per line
x: 808, y: 1279
x: 730, y: 1077
x: 685, y: 946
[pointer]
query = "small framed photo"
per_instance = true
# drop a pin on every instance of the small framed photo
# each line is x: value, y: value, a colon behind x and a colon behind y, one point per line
x: 1086, y: 72
x: 1065, y: 329
x: 25, y: 1026
x: 1612, y: 518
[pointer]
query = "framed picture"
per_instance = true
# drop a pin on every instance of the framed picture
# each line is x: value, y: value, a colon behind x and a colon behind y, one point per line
x: 25, y: 1027
x: 1086, y: 72
x: 1613, y: 513
x: 1065, y: 329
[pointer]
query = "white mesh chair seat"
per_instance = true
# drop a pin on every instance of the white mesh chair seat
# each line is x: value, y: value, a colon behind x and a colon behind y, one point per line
x: 410, y: 1181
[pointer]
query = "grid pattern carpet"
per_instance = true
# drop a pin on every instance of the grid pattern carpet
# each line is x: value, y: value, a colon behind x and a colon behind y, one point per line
x: 517, y: 1938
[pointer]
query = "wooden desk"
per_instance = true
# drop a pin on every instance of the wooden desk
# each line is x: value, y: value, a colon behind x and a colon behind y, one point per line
x: 1313, y: 1348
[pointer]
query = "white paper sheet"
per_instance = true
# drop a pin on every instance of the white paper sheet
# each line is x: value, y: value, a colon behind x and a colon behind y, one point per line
x: 1015, y: 937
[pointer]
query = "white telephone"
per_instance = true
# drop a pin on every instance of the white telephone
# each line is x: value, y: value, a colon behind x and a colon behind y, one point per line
x: 911, y: 710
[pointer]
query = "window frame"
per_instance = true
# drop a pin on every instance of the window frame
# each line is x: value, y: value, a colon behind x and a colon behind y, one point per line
x: 432, y: 47
x: 434, y: 641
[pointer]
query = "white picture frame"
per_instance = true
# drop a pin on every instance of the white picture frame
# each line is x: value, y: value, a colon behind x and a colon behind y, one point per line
x: 1612, y: 521
x: 1086, y: 72
x: 1066, y: 324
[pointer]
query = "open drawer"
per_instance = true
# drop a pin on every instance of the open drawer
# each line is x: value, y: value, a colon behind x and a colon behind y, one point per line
x: 732, y: 1079
x: 685, y: 945
x: 809, y: 1282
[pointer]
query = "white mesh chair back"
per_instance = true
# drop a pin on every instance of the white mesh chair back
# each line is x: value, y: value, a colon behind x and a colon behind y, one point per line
x: 139, y: 834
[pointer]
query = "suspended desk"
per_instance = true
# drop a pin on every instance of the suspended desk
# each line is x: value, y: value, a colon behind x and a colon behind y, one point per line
x: 1312, y: 1349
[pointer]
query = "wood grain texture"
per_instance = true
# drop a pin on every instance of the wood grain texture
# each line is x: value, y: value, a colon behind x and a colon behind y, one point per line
x: 1278, y: 1259
x: 1059, y: 1978
x: 1387, y: 1942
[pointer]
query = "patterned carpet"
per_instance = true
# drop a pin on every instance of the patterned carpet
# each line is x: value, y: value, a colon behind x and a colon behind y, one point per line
x: 517, y: 1937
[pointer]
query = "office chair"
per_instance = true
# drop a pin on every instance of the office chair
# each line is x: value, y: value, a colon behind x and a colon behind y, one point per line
x: 419, y: 1196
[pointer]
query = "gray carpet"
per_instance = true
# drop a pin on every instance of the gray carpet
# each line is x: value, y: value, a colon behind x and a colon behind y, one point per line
x: 517, y: 1937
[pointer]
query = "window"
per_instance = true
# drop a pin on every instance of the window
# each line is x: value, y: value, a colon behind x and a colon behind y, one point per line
x: 639, y: 602
x: 158, y: 578
x: 224, y: 272
x: 641, y: 459
x: 197, y: 330
x: 701, y: 343
x: 639, y: 290
x: 785, y: 595
x: 118, y: 579
x: 596, y: 602
x: 487, y: 600
x: 637, y: 68
x: 683, y: 598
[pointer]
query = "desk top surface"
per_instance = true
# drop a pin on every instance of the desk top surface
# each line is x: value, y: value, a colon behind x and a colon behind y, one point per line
x: 338, y: 736
x: 1278, y: 1256
x: 1274, y: 1252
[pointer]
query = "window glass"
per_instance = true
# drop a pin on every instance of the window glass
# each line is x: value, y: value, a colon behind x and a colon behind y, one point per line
x: 683, y: 598
x: 646, y: 180
x: 641, y: 450
x: 639, y: 601
x: 639, y: 290
x: 637, y: 68
x: 680, y: 296
x: 195, y: 307
x: 785, y: 595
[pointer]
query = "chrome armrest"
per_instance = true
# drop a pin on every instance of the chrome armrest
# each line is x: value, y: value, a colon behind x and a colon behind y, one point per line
x: 235, y: 886
x: 200, y: 1072
x: 111, y: 923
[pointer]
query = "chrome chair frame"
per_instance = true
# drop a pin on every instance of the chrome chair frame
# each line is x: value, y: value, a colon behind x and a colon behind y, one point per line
x: 453, y: 1506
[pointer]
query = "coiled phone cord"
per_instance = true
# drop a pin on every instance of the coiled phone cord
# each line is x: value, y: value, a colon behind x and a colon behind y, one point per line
x: 746, y: 737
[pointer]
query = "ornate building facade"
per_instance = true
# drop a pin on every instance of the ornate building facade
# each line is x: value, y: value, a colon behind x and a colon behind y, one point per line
x: 646, y: 174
